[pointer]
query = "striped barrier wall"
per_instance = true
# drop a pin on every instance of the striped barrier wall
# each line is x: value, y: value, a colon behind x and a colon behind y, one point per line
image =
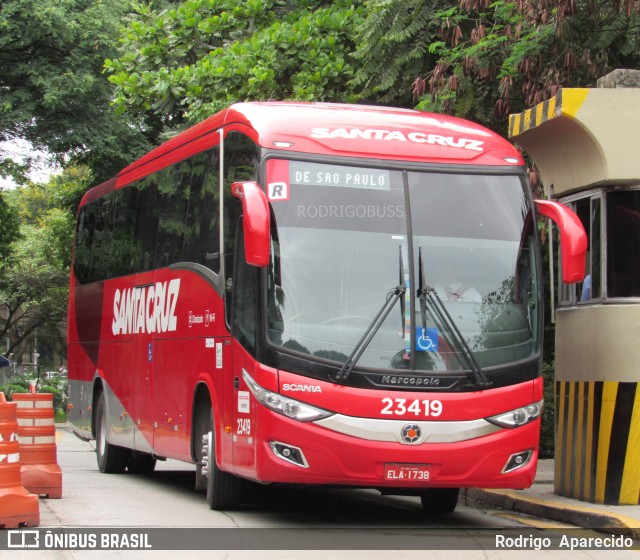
x: 566, y: 102
x: 17, y: 505
x: 41, y: 473
x: 598, y: 441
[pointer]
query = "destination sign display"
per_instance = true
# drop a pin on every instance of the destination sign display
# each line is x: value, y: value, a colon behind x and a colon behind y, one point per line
x: 321, y: 175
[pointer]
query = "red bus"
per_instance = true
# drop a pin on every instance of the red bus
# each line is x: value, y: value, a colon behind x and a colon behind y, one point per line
x: 316, y: 294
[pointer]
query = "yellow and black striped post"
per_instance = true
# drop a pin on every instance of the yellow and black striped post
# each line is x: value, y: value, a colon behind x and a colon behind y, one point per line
x: 598, y: 441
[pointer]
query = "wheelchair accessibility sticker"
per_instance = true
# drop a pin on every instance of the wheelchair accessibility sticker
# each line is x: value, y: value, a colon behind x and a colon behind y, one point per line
x: 426, y: 339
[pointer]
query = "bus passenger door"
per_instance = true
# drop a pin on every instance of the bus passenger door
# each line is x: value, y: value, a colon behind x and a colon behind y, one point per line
x: 141, y: 381
x: 241, y: 160
x: 244, y: 313
x: 243, y: 425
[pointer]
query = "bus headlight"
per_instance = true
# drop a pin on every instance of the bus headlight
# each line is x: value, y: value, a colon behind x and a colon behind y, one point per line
x: 286, y: 406
x: 517, y: 417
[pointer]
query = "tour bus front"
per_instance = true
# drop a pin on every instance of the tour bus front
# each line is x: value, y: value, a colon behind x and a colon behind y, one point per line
x: 402, y: 327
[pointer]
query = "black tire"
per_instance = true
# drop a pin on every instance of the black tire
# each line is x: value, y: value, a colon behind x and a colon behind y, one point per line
x: 201, y: 480
x: 200, y: 429
x: 224, y: 490
x: 141, y: 463
x: 440, y: 500
x: 111, y: 458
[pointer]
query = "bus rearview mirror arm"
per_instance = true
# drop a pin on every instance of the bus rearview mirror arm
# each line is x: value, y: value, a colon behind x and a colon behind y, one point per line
x: 573, y: 239
x: 256, y: 222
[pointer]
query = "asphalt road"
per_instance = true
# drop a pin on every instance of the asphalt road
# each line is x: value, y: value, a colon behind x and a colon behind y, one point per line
x: 279, y: 522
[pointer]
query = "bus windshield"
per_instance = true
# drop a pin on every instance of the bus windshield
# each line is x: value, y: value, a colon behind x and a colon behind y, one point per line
x: 344, y: 237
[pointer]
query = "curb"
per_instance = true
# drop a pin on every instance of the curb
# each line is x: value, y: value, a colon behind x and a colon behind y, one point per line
x: 581, y: 516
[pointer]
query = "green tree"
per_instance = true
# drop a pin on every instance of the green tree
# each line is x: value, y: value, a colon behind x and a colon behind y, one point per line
x: 33, y: 293
x: 8, y: 231
x: 34, y: 284
x: 190, y: 59
x: 393, y: 48
x: 483, y: 59
x: 497, y: 57
x: 18, y: 172
x: 54, y: 93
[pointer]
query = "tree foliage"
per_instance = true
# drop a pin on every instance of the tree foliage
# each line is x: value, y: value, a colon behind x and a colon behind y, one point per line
x: 175, y: 62
x: 34, y: 283
x: 54, y: 93
x: 181, y: 61
x: 497, y: 57
x: 393, y: 48
x: 191, y: 59
x: 8, y: 231
x: 33, y: 293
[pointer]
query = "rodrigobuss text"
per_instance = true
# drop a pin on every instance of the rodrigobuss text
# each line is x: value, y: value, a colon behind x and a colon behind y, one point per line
x: 399, y: 347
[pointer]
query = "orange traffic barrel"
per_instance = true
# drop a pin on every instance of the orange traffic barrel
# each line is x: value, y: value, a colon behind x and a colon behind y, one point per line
x: 37, y: 436
x: 17, y: 506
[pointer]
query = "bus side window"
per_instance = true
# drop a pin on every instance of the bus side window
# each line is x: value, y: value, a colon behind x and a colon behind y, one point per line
x: 146, y: 223
x: 244, y: 307
x: 103, y: 240
x: 202, y: 227
x: 173, y: 193
x: 241, y: 158
x: 232, y: 215
x: 125, y: 253
x: 84, y: 240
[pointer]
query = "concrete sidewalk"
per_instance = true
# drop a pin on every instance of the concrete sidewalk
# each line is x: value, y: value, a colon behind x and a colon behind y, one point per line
x: 541, y: 501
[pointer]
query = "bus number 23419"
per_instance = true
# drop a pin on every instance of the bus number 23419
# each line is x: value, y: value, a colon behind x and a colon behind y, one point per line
x: 402, y: 407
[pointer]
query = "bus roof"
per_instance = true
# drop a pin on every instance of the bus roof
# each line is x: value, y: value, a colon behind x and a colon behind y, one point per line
x: 340, y: 130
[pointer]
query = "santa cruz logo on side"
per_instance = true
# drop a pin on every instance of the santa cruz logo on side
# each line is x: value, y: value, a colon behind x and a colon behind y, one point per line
x: 150, y: 309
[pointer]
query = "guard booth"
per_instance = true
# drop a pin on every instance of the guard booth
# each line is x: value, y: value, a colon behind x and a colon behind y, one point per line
x: 586, y: 144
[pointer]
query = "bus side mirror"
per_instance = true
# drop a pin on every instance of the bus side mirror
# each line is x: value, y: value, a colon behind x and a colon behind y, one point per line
x: 256, y: 222
x: 573, y: 239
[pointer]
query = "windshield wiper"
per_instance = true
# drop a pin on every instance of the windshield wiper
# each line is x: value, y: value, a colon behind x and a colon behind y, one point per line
x: 426, y: 292
x: 393, y: 296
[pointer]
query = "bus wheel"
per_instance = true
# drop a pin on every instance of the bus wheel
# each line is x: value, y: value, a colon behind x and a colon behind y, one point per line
x: 201, y: 425
x: 141, y: 463
x: 440, y: 500
x: 224, y: 490
x: 111, y: 458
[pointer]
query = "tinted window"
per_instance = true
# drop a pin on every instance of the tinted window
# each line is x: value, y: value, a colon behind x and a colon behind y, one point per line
x: 343, y: 239
x: 623, y: 244
x: 172, y: 187
x: 201, y: 231
x: 93, y: 241
x: 125, y: 252
x: 245, y: 302
x: 241, y: 157
x: 165, y: 218
x: 146, y: 223
x: 84, y: 241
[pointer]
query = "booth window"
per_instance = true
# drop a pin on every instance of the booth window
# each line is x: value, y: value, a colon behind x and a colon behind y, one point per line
x: 611, y: 218
x: 589, y: 210
x: 623, y: 243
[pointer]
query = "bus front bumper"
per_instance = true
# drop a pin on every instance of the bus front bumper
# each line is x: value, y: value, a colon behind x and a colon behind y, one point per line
x: 294, y: 452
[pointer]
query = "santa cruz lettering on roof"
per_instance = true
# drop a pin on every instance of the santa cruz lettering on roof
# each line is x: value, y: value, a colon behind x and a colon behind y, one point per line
x: 399, y: 136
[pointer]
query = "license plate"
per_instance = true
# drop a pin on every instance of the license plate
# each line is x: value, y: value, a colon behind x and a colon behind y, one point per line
x: 407, y: 472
